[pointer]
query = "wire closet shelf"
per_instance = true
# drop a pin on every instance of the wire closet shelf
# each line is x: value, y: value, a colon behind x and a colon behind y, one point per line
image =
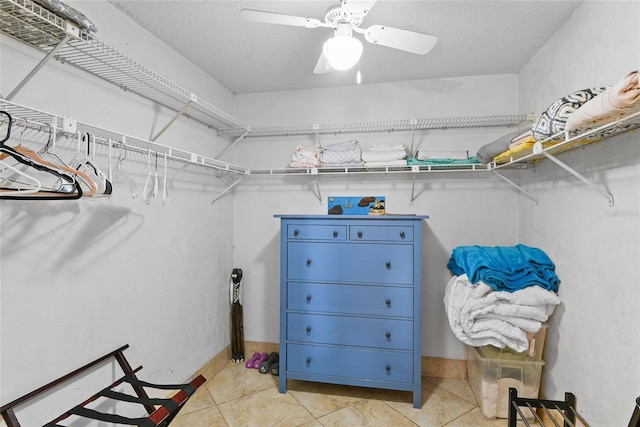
x: 388, y: 126
x: 30, y: 23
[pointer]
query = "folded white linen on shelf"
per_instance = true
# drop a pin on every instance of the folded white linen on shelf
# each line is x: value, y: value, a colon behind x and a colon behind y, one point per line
x: 402, y: 162
x: 342, y: 165
x: 399, y: 147
x: 306, y: 156
x: 383, y: 155
x: 479, y: 316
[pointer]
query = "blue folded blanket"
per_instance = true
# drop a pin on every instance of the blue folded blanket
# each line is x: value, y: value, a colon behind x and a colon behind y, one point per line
x: 505, y: 268
x: 443, y: 161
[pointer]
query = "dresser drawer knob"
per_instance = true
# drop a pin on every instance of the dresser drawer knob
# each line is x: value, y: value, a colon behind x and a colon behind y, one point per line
x: 308, y: 298
x: 388, y: 302
x: 388, y: 334
x: 402, y: 235
x: 308, y: 261
x: 308, y: 360
x: 335, y: 233
x: 308, y: 329
x: 388, y: 368
x: 388, y: 264
x: 296, y: 232
x: 360, y: 234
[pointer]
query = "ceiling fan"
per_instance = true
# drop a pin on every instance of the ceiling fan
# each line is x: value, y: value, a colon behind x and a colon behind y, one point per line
x: 342, y: 51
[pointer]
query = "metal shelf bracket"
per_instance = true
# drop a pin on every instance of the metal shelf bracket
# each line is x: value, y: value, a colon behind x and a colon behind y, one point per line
x: 538, y: 148
x: 318, y: 193
x: 513, y: 184
x: 226, y: 190
x: 240, y: 138
x: 37, y: 68
x: 414, y: 170
x: 176, y: 117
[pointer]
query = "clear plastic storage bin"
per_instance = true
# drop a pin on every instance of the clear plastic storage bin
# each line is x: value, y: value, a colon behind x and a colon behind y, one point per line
x: 536, y: 347
x: 491, y: 374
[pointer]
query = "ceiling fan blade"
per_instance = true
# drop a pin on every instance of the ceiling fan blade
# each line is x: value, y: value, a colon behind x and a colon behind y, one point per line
x: 281, y: 19
x: 396, y: 38
x: 358, y: 7
x: 322, y: 66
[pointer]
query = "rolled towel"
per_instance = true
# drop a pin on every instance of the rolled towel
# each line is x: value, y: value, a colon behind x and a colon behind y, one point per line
x: 614, y: 103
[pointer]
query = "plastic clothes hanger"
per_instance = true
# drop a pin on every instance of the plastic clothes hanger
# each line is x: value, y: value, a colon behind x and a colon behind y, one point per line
x: 108, y: 186
x: 83, y: 163
x: 165, y: 191
x: 22, y: 191
x: 68, y: 188
x: 60, y: 166
x: 122, y: 176
x: 151, y: 184
x: 23, y: 156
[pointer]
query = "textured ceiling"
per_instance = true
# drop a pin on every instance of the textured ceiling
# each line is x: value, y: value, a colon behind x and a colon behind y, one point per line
x: 474, y: 38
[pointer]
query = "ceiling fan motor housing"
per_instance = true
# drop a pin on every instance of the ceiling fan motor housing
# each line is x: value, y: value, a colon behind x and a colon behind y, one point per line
x: 339, y: 14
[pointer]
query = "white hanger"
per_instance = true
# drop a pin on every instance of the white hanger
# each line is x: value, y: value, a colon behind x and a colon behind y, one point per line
x: 37, y: 185
x: 165, y: 190
x: 122, y: 176
x: 151, y: 184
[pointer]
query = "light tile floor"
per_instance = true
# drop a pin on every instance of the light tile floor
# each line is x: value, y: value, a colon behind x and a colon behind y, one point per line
x: 238, y: 396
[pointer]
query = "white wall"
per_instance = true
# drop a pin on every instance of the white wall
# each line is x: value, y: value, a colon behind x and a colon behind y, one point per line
x: 592, y: 345
x: 161, y: 273
x: 81, y: 278
x: 464, y: 208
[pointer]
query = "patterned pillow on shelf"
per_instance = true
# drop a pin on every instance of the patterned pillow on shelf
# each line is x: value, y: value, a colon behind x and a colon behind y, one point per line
x: 554, y: 118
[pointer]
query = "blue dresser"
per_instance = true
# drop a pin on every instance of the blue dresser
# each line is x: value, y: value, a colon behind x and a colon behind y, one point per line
x: 350, y: 301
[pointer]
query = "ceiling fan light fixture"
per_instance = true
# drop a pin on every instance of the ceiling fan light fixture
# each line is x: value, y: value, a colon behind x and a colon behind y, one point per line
x: 342, y: 51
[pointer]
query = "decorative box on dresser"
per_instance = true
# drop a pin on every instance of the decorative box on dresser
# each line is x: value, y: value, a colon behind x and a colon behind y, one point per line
x: 350, y: 300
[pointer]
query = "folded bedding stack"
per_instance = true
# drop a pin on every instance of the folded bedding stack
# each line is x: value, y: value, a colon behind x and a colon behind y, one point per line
x: 442, y: 158
x: 380, y: 155
x: 506, y: 147
x: 613, y: 104
x: 345, y: 153
x: 572, y: 114
x: 340, y: 154
x: 306, y: 156
x: 499, y: 294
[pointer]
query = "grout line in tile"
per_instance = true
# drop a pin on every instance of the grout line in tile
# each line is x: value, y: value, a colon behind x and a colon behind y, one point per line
x: 380, y: 399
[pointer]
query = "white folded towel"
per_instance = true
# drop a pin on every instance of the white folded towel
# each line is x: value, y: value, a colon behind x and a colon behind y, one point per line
x: 479, y: 316
x: 383, y: 155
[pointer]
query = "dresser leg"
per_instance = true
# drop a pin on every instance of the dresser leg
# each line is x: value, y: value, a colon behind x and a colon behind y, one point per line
x: 282, y: 386
x: 417, y: 400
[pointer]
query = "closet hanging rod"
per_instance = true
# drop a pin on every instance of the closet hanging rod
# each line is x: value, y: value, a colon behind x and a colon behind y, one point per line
x: 71, y: 127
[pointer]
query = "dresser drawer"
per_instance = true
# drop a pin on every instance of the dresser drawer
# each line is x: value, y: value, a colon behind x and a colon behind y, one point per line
x: 316, y: 232
x: 386, y: 234
x: 379, y: 365
x: 356, y: 331
x: 350, y: 262
x: 388, y: 301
